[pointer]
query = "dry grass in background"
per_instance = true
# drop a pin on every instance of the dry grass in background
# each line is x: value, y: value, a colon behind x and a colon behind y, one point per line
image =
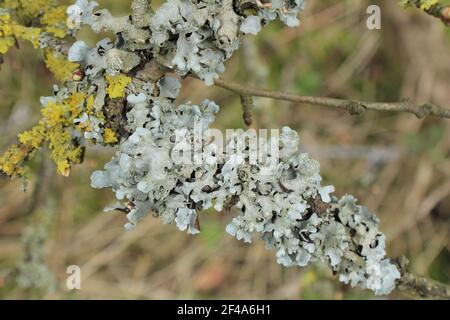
x: 397, y: 165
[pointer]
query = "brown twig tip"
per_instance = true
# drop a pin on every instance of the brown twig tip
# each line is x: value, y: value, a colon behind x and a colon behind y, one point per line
x: 420, y: 286
x: 247, y: 107
x: 446, y: 16
x: 433, y: 8
x: 354, y: 107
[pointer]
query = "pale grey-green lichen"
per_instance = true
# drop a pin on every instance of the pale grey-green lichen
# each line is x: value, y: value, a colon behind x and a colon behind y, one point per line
x: 276, y: 208
x: 288, y: 208
x: 194, y: 35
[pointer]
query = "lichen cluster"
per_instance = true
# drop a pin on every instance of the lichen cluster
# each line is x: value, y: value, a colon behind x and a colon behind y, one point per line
x: 121, y: 93
x: 43, y: 23
x: 30, y: 20
x: 288, y: 208
x: 422, y: 4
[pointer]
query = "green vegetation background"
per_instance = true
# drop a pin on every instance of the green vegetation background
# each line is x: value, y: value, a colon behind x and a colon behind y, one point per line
x: 395, y: 164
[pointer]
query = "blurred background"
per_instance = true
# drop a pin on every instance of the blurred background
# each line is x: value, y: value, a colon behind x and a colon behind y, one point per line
x: 395, y: 164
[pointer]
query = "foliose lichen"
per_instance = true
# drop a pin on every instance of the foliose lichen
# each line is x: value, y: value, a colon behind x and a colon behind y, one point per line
x: 119, y: 93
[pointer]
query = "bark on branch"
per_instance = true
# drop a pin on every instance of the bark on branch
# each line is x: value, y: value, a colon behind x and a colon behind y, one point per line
x: 352, y: 106
x: 409, y: 283
x: 433, y: 8
x: 420, y: 286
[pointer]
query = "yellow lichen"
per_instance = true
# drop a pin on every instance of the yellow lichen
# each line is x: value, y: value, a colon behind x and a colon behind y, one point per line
x: 27, y: 33
x: 59, y: 117
x: 54, y: 128
x: 54, y: 113
x: 27, y: 19
x: 74, y: 103
x: 424, y: 5
x: 29, y: 9
x: 85, y: 126
x: 90, y: 105
x: 10, y: 31
x: 34, y: 137
x: 58, y: 64
x: 55, y: 16
x: 57, y: 32
x: 117, y: 85
x: 7, y: 39
x: 109, y: 137
x: 63, y: 152
x: 55, y: 21
x: 6, y: 43
x: 11, y: 4
x: 100, y: 115
x: 11, y: 161
x: 63, y: 112
x: 427, y: 4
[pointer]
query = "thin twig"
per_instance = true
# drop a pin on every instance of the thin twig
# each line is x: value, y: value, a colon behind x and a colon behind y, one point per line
x: 352, y: 106
x: 423, y: 287
x: 409, y: 283
x: 420, y: 286
x: 40, y: 192
x: 437, y: 10
x: 247, y: 107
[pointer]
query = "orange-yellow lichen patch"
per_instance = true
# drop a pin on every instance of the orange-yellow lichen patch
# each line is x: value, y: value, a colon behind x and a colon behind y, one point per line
x: 63, y: 151
x: 11, y: 161
x: 117, y: 85
x: 55, y: 21
x: 10, y: 30
x: 55, y: 128
x: 35, y: 137
x: 58, y: 64
x: 7, y: 37
x: 109, y: 137
x: 29, y: 9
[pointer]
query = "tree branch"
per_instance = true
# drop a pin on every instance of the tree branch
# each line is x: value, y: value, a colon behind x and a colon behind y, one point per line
x: 352, y: 106
x: 417, y: 285
x: 409, y: 283
x: 433, y: 8
x: 423, y: 287
x: 247, y: 106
